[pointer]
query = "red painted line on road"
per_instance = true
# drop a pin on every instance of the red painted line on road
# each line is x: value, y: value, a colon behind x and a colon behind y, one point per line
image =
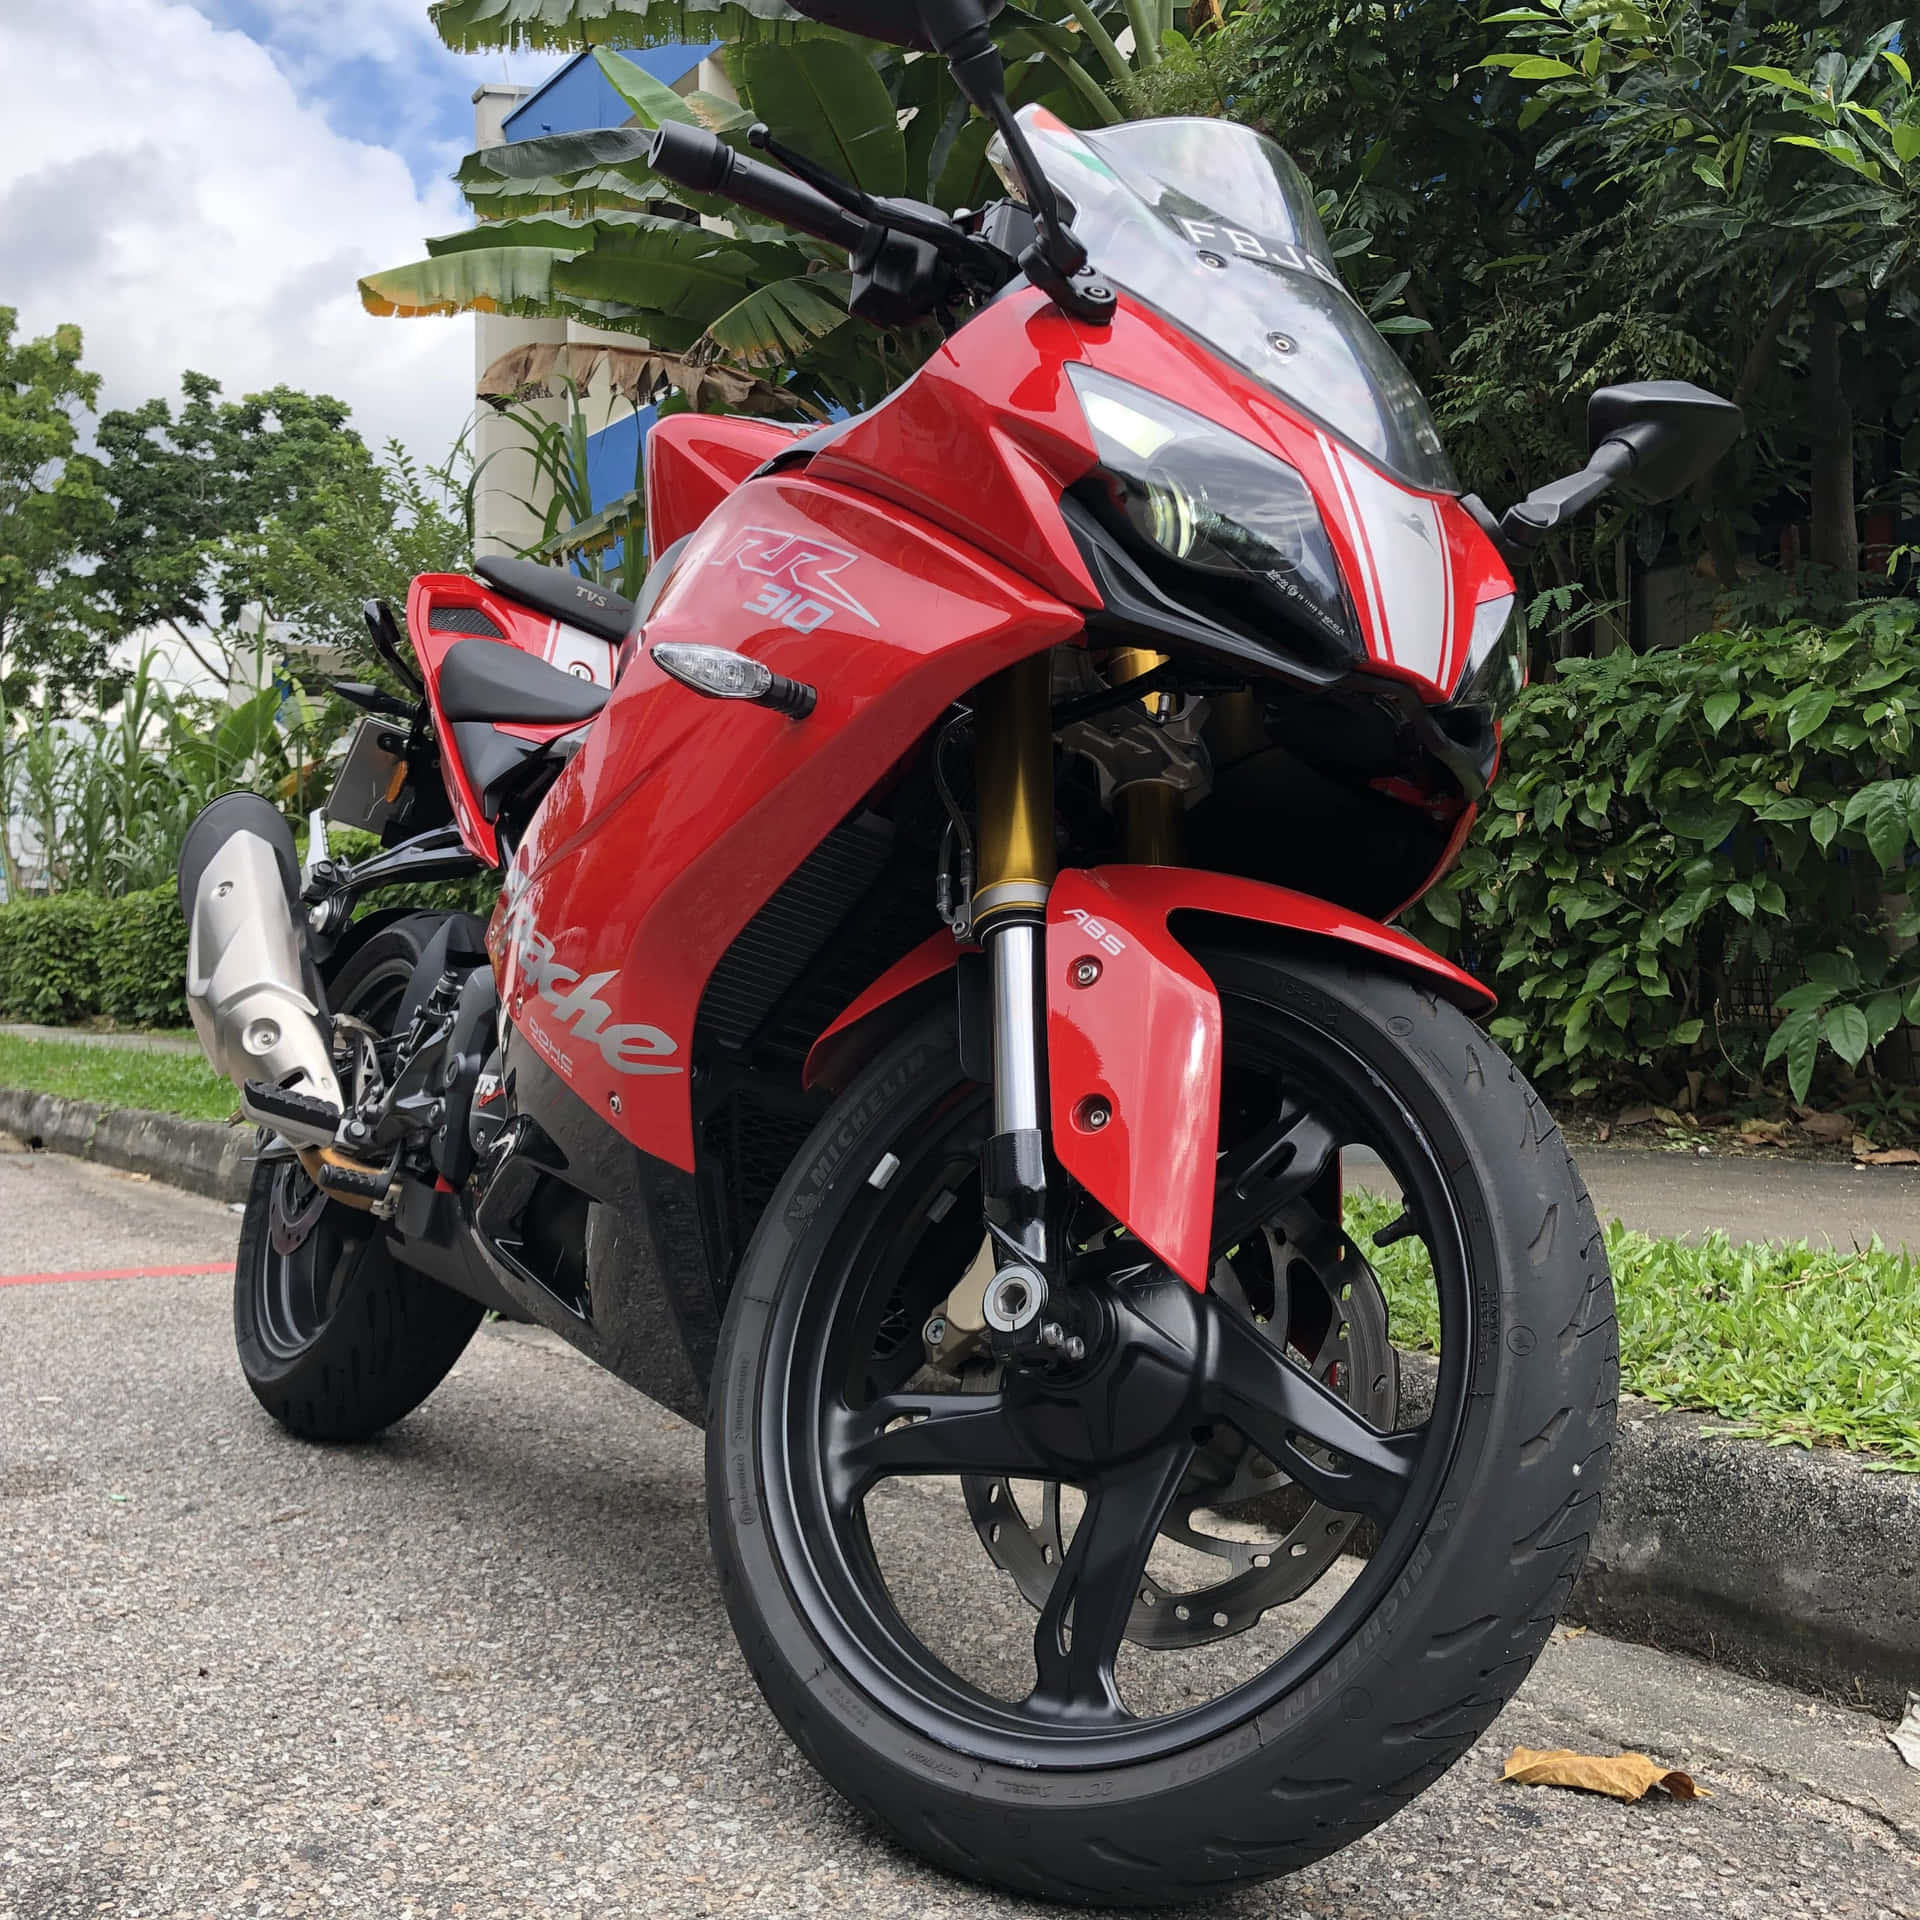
x: 110, y: 1273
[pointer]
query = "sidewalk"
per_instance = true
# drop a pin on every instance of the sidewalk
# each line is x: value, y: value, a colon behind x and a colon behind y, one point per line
x: 1682, y: 1196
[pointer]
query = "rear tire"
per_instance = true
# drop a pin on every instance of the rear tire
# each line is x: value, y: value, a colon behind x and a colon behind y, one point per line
x: 336, y: 1338
x: 1393, y: 1697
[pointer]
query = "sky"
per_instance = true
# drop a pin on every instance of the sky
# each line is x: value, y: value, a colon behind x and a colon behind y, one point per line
x: 199, y: 183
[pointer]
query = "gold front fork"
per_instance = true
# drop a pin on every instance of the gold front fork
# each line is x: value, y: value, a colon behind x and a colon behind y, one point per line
x: 1149, y: 811
x: 1013, y: 780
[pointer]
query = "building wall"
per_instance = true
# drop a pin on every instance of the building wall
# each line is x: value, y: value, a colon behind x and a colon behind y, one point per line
x: 510, y: 499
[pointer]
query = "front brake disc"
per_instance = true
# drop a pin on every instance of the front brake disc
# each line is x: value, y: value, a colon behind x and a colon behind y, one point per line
x: 1270, y: 1542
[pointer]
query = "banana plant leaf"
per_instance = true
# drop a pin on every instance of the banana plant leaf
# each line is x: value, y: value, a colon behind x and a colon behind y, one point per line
x: 568, y: 233
x: 826, y: 98
x: 478, y: 26
x: 559, y: 155
x: 776, y: 324
x: 652, y: 102
x: 484, y: 280
x: 692, y: 273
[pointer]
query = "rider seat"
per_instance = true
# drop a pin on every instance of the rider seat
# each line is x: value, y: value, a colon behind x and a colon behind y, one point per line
x: 561, y: 595
x: 489, y: 680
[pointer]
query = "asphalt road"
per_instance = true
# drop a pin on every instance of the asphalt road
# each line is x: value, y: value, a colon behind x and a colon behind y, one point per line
x: 480, y: 1668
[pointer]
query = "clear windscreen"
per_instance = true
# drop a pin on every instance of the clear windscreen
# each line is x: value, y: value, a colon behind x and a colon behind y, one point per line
x: 1212, y: 224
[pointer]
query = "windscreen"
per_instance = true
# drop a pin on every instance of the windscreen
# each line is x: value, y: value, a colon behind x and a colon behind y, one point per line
x: 1212, y: 224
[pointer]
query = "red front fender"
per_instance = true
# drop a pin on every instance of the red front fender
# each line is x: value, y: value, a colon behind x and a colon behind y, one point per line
x: 1133, y: 1033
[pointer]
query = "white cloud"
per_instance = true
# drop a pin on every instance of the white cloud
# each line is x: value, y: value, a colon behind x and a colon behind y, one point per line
x: 162, y: 184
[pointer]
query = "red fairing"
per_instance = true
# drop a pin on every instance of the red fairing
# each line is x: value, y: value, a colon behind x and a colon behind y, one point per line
x: 1133, y: 1059
x: 1142, y: 1038
x: 833, y: 1059
x: 988, y: 435
x: 446, y: 608
x: 694, y: 460
x: 680, y: 816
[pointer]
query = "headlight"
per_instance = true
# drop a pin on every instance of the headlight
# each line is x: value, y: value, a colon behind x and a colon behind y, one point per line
x: 1496, y: 658
x: 1191, y: 492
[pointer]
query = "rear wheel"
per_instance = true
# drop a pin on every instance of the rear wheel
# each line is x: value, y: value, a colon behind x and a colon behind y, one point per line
x: 1216, y: 1686
x: 336, y: 1338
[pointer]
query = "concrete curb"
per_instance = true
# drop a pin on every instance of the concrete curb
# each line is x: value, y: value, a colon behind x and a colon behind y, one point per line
x: 1792, y: 1564
x: 1796, y: 1566
x: 200, y: 1155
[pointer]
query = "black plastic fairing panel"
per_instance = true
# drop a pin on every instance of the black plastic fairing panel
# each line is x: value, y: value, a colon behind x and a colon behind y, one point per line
x: 643, y: 1303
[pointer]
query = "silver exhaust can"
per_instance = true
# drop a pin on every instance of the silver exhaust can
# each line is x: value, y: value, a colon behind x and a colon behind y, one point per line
x: 252, y: 990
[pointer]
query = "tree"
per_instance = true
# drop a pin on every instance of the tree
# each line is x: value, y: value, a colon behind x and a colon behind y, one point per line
x: 362, y: 533
x: 52, y: 510
x: 191, y: 492
x: 1766, y: 151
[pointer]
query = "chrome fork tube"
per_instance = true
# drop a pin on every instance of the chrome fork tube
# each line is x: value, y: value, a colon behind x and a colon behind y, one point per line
x: 1019, y: 1031
x: 1013, y: 779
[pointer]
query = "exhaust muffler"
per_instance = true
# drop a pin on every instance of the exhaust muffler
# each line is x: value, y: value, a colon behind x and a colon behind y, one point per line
x: 252, y: 988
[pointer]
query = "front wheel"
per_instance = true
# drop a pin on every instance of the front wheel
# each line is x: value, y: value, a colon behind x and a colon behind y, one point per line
x: 1215, y: 1599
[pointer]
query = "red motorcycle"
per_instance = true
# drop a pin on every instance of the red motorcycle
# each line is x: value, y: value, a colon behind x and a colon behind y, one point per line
x: 941, y: 968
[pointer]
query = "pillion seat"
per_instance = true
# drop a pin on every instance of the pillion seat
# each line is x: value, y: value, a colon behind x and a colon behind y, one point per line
x: 561, y: 595
x: 489, y: 680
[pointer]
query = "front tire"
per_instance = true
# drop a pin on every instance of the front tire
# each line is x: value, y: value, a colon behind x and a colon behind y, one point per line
x: 1366, y: 1704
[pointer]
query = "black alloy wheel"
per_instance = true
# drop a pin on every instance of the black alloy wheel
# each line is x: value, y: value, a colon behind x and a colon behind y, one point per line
x: 1197, y: 1425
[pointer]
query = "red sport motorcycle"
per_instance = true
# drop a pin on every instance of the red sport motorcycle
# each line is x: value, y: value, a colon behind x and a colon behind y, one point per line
x: 940, y: 988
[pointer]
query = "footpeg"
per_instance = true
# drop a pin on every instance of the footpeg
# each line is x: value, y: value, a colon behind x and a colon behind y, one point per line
x: 306, y: 1112
x: 351, y: 1180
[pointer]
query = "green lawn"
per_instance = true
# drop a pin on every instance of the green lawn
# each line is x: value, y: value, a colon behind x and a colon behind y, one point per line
x: 159, y: 1082
x: 1794, y: 1344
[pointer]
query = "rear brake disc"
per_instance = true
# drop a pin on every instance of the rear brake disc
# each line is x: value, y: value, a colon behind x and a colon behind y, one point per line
x: 1299, y: 1274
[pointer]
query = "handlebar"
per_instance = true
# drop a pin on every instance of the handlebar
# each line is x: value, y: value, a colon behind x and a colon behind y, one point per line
x: 699, y: 161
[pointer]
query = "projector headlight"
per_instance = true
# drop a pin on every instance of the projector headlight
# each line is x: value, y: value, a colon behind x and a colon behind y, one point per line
x: 1181, y: 489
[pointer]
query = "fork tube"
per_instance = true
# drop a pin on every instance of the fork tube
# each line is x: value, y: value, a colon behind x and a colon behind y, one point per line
x: 1013, y: 779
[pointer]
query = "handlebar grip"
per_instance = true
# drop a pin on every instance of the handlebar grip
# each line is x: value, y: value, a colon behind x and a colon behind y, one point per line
x: 697, y: 160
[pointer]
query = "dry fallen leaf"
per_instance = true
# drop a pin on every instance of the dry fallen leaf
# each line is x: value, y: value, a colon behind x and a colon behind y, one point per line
x: 1633, y: 1117
x: 1826, y: 1126
x: 1888, y: 1157
x: 1906, y: 1736
x: 1624, y: 1776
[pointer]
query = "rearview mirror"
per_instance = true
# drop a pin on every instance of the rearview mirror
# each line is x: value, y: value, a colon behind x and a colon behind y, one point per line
x: 902, y: 23
x: 1674, y: 431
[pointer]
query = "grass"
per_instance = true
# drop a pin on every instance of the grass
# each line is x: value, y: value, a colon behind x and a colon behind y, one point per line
x: 158, y: 1082
x: 1797, y: 1345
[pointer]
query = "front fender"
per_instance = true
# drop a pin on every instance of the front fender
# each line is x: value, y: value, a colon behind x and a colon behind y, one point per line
x: 1133, y: 1032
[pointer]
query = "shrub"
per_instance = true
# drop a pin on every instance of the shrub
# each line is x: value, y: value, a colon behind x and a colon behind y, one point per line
x: 75, y: 957
x: 1684, y: 845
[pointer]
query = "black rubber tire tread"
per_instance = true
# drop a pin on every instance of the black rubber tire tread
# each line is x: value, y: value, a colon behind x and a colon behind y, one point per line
x: 395, y: 1334
x: 1399, y: 1702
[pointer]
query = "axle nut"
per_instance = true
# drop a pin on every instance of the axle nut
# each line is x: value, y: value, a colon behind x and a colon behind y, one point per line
x: 1014, y: 1299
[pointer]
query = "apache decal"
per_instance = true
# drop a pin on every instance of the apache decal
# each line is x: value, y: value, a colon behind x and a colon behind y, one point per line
x: 576, y: 1003
x: 801, y: 588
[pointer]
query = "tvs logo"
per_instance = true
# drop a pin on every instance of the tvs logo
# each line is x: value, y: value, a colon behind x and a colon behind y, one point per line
x: 800, y: 584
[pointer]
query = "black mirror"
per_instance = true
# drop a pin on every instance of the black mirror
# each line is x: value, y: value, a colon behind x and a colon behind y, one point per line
x: 902, y: 23
x: 1674, y: 431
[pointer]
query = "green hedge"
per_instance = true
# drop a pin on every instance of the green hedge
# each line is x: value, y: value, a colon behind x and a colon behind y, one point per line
x: 74, y: 957
x: 1701, y: 862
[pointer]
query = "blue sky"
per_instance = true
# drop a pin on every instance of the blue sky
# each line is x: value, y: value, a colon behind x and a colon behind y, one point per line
x: 198, y: 183
x: 377, y: 70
